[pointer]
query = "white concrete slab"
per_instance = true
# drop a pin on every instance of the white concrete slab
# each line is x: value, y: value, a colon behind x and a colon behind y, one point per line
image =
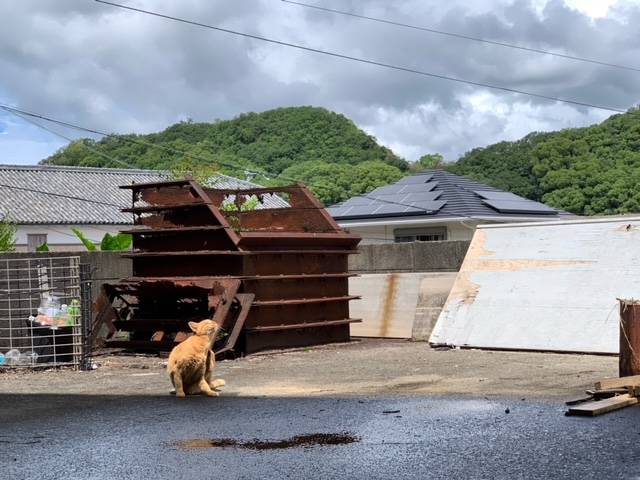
x: 550, y: 286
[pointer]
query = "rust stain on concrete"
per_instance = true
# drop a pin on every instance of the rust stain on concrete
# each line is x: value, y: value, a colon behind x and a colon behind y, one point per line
x: 389, y: 301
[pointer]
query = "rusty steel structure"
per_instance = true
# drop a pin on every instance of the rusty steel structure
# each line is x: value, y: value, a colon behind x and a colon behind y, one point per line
x: 629, y: 361
x: 273, y: 277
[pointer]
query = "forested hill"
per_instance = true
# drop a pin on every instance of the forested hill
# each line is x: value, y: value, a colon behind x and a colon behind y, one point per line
x: 324, y: 149
x: 587, y: 171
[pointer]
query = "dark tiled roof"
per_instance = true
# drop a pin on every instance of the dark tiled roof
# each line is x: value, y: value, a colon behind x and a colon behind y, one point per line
x: 440, y: 194
x: 100, y: 199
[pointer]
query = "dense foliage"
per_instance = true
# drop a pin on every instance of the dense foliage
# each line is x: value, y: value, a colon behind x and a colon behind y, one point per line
x: 589, y: 171
x: 298, y: 142
x: 7, y: 236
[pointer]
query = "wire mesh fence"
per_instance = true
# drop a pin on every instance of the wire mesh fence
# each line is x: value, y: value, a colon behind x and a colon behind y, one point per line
x: 44, y: 312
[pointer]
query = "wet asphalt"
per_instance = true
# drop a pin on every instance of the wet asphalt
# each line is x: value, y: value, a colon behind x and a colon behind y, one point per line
x: 134, y: 437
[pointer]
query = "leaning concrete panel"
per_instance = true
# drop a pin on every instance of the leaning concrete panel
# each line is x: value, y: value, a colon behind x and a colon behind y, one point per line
x: 398, y: 305
x: 550, y: 286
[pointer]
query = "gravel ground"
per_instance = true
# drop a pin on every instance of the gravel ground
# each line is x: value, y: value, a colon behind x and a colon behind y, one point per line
x: 366, y: 367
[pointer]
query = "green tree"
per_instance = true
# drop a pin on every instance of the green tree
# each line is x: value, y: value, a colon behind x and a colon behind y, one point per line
x: 428, y: 161
x: 270, y: 141
x: 333, y: 183
x: 7, y: 236
x: 588, y: 171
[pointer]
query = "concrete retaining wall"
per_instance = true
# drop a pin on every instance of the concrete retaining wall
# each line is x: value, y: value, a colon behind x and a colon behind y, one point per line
x: 398, y: 305
x: 410, y: 257
x: 403, y: 285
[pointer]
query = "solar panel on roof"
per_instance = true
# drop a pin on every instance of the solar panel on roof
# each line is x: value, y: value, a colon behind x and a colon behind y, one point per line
x: 522, y: 206
x: 414, y: 179
x: 359, y: 211
x: 489, y: 195
x: 433, y: 206
x: 410, y: 197
x: 387, y: 189
x: 396, y: 210
x: 358, y: 202
x: 336, y: 211
x: 417, y: 187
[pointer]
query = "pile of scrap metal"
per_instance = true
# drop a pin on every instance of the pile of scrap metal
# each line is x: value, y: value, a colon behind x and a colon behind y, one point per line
x: 272, y: 277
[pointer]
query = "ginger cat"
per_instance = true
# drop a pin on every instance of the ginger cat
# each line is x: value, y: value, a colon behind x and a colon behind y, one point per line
x: 191, y: 363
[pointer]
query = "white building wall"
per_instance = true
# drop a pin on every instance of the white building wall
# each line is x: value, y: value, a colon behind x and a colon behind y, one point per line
x: 456, y: 230
x: 61, y: 238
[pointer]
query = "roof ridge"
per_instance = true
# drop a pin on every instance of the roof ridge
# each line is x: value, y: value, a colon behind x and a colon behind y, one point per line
x: 77, y: 168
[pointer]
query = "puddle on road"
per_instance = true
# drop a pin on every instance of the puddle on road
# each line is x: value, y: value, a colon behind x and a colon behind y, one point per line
x: 304, y: 441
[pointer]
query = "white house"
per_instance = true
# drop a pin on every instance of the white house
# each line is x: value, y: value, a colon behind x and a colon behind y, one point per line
x: 45, y: 202
x: 434, y: 205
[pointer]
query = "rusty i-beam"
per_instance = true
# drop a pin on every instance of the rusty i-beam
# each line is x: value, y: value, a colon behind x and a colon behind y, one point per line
x: 629, y: 363
x: 194, y: 245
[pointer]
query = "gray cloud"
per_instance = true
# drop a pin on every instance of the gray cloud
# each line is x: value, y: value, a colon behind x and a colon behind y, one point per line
x: 123, y: 71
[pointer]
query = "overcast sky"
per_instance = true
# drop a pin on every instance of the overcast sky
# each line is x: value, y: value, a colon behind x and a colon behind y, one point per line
x: 121, y: 71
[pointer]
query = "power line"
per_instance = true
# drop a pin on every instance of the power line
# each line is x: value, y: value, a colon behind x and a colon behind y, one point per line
x: 23, y: 114
x: 61, y: 195
x: 128, y: 138
x: 465, y: 37
x: 363, y: 60
x: 69, y: 139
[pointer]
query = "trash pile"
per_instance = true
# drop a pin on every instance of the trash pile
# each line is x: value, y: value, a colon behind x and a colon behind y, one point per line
x: 53, y: 314
x: 14, y: 357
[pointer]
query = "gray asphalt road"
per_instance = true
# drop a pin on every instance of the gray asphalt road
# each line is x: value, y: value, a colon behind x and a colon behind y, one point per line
x: 134, y: 437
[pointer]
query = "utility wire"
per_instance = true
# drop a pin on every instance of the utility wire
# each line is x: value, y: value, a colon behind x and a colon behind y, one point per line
x: 128, y: 138
x: 363, y: 60
x: 69, y: 139
x: 24, y: 114
x: 61, y: 195
x: 459, y: 35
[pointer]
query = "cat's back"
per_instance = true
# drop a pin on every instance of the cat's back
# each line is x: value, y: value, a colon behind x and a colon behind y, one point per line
x: 185, y: 354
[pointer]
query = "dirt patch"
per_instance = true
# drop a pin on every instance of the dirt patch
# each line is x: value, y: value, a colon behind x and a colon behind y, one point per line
x: 304, y: 441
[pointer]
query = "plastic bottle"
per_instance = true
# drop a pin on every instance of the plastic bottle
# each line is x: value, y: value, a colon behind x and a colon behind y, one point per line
x: 74, y: 313
x: 12, y: 357
x: 28, y: 358
x: 2, y: 359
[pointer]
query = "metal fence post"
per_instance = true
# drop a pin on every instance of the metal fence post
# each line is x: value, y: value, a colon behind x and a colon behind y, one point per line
x: 86, y: 315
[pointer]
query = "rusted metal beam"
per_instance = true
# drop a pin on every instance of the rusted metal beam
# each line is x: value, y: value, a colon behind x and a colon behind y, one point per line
x: 146, y: 185
x: 245, y: 301
x: 171, y: 230
x: 159, y: 208
x: 302, y: 301
x: 629, y: 362
x: 291, y: 261
x: 297, y: 326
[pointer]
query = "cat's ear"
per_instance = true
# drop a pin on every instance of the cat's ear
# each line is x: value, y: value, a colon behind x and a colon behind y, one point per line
x: 193, y: 326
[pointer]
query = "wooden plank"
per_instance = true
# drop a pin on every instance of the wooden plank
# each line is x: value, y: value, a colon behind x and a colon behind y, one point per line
x: 603, y: 406
x: 577, y: 400
x: 606, y: 383
x: 608, y: 393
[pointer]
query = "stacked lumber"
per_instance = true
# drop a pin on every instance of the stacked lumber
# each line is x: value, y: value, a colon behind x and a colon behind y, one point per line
x: 607, y: 395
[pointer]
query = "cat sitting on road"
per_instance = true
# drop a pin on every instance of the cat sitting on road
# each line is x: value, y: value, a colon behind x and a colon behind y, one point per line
x: 191, y: 363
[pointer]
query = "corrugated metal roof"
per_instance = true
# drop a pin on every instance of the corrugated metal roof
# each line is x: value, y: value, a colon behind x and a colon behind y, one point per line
x: 99, y: 198
x: 456, y: 197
